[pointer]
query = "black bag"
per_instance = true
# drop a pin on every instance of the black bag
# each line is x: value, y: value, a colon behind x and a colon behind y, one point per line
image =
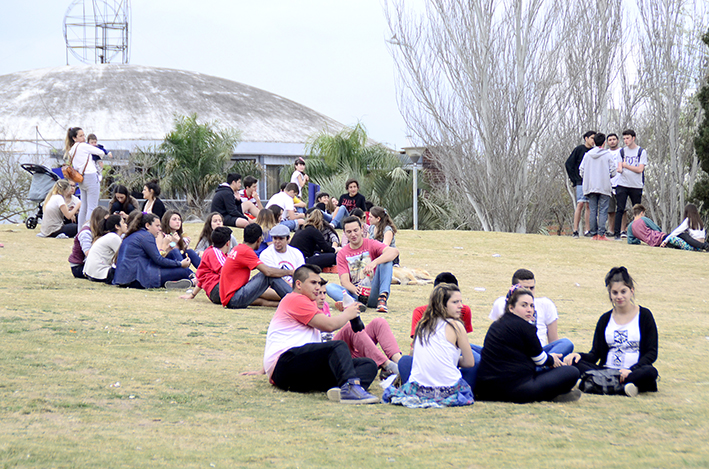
x: 605, y: 381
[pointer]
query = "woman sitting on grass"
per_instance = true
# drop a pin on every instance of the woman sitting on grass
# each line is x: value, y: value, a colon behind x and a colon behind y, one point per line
x: 440, y: 347
x: 266, y: 219
x: 625, y: 338
x: 90, y: 232
x: 510, y: 357
x: 60, y: 209
x: 691, y: 230
x: 214, y: 220
x: 122, y: 202
x: 99, y: 261
x: 141, y: 265
x: 382, y: 228
x: 172, y: 228
x: 310, y: 241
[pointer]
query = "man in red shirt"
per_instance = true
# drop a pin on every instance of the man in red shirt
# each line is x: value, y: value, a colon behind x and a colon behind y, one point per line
x: 236, y: 290
x: 360, y: 258
x: 295, y: 359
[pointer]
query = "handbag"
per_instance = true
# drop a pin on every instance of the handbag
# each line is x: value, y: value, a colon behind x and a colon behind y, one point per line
x: 605, y: 381
x: 70, y: 173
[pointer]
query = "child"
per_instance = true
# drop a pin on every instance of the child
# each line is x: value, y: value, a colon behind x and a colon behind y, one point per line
x: 625, y: 338
x: 691, y: 230
x: 93, y: 140
x: 440, y: 347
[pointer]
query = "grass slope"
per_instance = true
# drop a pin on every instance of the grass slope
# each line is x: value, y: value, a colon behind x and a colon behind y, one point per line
x: 66, y: 344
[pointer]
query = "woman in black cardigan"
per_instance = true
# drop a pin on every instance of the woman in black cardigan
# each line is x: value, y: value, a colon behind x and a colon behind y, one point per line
x: 625, y: 338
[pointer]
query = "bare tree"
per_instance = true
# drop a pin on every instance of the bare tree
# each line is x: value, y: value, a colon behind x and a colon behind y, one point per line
x: 669, y: 72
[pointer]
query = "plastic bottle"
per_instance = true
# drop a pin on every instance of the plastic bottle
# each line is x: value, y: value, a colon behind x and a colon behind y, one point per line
x: 357, y: 324
x: 365, y: 288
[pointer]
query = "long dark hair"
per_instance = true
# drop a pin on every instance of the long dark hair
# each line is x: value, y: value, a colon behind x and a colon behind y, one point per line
x: 691, y: 212
x: 140, y: 221
x: 129, y: 200
x: 168, y: 230
x: 436, y: 310
x: 207, y: 228
x: 69, y: 139
x: 96, y: 222
x: 384, y: 221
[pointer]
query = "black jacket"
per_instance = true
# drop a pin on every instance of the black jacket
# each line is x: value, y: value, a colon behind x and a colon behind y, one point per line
x: 573, y: 163
x: 225, y: 203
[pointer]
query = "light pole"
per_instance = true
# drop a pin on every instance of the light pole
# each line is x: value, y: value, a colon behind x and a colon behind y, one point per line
x: 414, y: 154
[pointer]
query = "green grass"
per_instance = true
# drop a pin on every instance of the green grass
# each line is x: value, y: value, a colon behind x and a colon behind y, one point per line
x: 180, y: 401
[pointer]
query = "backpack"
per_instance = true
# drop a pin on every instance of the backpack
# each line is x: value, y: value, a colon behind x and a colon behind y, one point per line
x: 605, y: 381
x: 640, y: 152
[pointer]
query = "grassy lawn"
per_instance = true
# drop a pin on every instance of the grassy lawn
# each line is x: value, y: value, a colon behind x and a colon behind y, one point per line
x: 97, y: 376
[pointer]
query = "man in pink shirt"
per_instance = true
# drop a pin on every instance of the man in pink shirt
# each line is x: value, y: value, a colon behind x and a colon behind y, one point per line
x: 363, y: 257
x: 295, y: 359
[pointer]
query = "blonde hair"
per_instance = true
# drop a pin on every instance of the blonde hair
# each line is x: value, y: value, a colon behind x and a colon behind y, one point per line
x: 266, y: 220
x: 58, y: 188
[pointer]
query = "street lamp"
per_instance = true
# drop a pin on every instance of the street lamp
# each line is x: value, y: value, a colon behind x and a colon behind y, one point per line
x: 415, y: 154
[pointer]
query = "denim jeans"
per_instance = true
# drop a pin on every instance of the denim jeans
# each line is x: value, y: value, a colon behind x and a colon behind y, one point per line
x: 255, y: 287
x: 381, y: 283
x: 598, y: 205
x: 562, y: 346
x: 341, y: 214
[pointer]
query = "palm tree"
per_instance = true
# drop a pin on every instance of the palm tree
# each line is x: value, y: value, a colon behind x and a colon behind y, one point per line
x: 381, y: 173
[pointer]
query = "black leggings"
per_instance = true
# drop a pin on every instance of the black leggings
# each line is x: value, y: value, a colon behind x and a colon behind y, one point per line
x: 324, y: 259
x: 693, y: 242
x: 544, y: 386
x: 321, y: 366
x: 644, y: 377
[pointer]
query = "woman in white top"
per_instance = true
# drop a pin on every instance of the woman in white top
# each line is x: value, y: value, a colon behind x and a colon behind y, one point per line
x: 79, y: 152
x: 99, y: 262
x: 59, y: 204
x: 440, y: 347
x: 691, y: 230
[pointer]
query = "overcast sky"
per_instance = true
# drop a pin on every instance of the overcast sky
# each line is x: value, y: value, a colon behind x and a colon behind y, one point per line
x: 329, y: 55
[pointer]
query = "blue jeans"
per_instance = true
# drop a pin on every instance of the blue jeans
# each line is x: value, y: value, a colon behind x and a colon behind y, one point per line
x: 598, y: 205
x: 381, y: 283
x: 469, y: 374
x: 562, y: 346
x: 326, y: 216
x: 255, y: 287
x: 341, y: 214
x: 291, y: 224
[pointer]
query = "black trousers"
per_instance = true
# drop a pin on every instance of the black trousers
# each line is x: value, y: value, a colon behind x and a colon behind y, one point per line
x: 644, y: 377
x: 621, y: 196
x: 544, y: 386
x: 321, y: 366
x: 693, y: 242
x: 324, y: 259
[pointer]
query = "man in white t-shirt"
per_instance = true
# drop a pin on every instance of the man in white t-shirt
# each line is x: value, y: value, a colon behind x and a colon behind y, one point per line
x: 632, y: 176
x: 284, y: 199
x: 545, y: 316
x: 279, y: 254
x: 296, y: 359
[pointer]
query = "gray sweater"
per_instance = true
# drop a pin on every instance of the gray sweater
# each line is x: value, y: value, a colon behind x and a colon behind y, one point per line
x: 597, y: 169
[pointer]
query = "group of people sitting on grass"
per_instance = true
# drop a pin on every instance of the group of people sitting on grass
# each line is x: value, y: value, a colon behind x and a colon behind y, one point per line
x: 444, y: 369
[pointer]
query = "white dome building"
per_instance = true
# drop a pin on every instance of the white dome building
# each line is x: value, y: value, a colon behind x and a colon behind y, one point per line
x: 132, y: 106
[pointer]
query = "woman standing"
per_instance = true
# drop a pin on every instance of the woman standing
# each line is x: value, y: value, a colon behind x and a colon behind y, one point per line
x: 79, y: 152
x: 625, y: 338
x: 510, y: 357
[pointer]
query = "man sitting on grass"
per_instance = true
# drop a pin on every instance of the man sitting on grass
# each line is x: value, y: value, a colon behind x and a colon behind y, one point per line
x: 296, y: 360
x: 643, y: 229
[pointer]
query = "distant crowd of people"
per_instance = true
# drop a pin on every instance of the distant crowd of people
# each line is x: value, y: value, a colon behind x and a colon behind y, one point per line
x: 311, y: 348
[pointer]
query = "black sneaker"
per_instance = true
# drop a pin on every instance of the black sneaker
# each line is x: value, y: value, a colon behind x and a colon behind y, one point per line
x: 623, y: 234
x: 575, y: 235
x: 571, y: 396
x: 352, y: 393
x: 587, y: 234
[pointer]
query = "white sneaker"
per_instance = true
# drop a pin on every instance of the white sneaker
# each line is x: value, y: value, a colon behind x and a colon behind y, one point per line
x: 631, y: 390
x: 333, y: 394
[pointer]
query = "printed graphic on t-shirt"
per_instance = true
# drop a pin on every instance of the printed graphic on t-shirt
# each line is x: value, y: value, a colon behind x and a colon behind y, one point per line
x: 356, y: 265
x: 621, y: 346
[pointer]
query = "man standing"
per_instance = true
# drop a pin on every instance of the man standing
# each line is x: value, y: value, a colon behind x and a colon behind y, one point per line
x: 363, y: 257
x: 632, y: 176
x: 236, y: 290
x: 279, y: 254
x: 228, y: 204
x: 572, y: 169
x: 597, y: 169
x: 545, y: 315
x: 612, y: 144
x: 296, y: 360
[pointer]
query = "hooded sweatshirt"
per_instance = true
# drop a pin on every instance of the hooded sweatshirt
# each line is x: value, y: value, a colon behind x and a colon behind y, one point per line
x: 597, y: 169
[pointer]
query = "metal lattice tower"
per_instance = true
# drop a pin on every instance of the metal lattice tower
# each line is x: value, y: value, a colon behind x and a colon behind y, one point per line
x: 96, y: 31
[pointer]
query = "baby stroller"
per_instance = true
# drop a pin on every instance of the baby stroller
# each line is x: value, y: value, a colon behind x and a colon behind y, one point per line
x: 43, y: 180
